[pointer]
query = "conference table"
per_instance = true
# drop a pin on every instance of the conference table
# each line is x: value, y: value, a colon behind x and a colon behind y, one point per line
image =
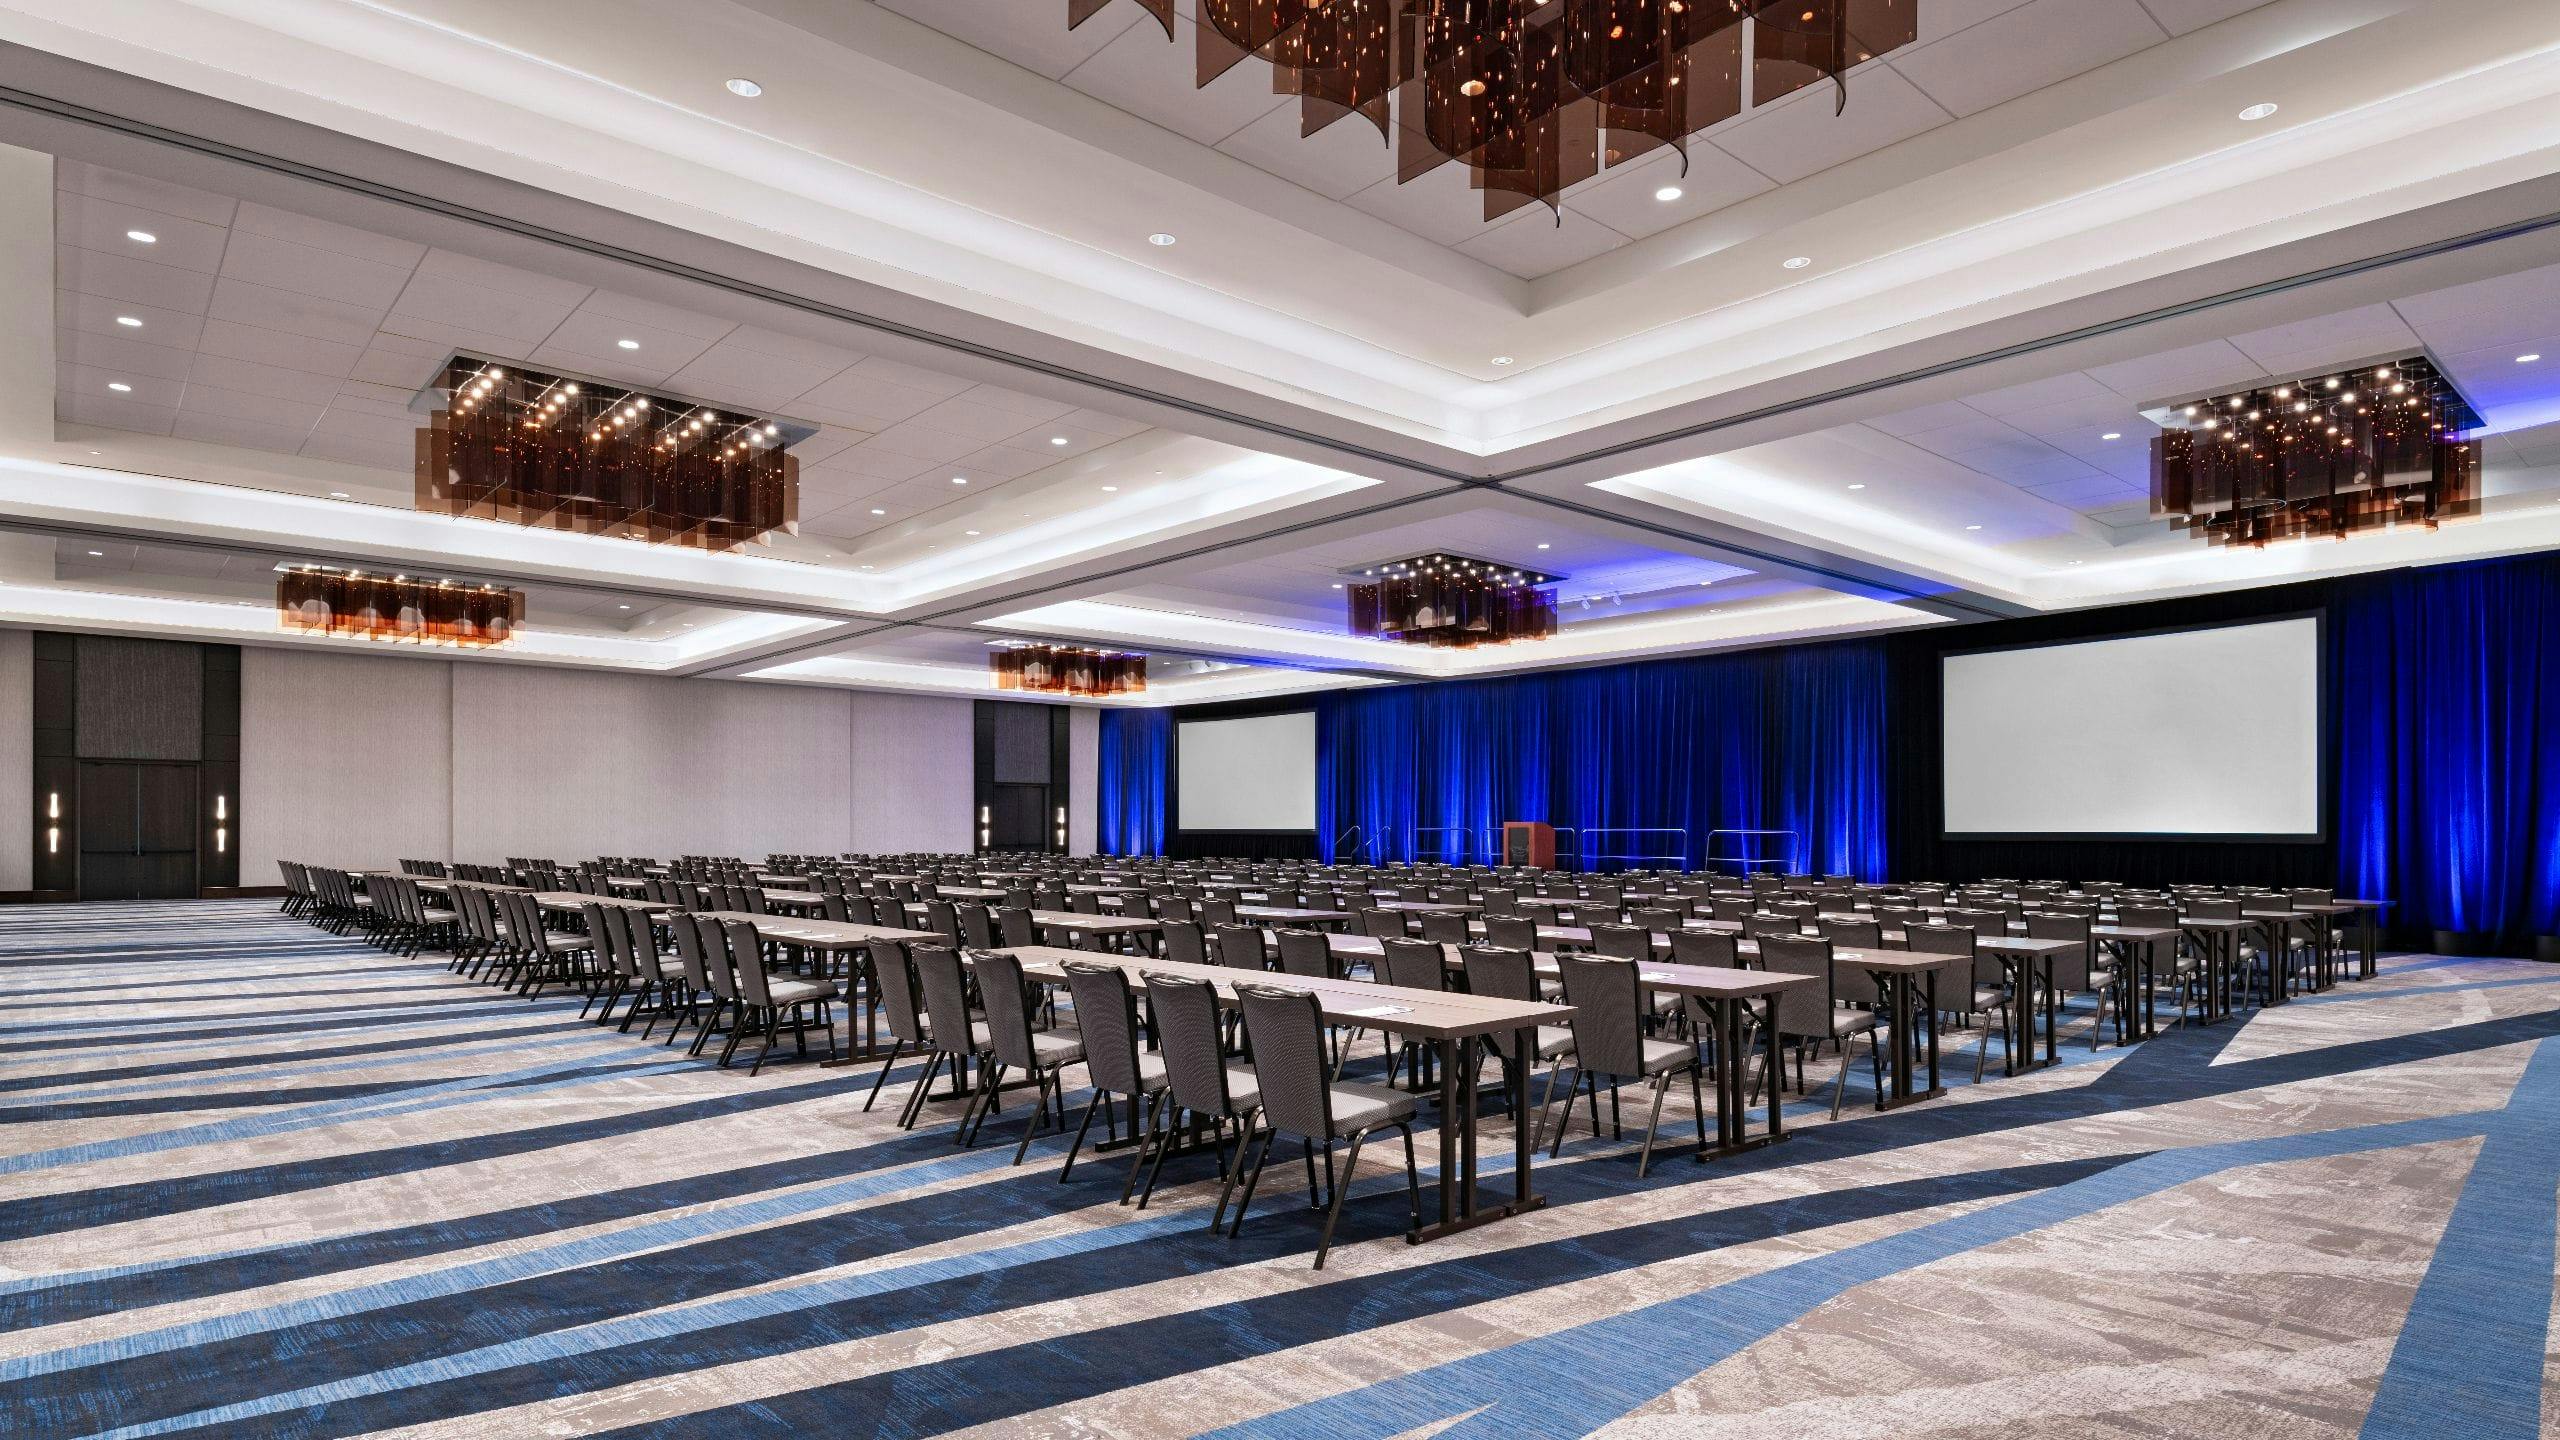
x: 1446, y: 1020
x: 839, y: 937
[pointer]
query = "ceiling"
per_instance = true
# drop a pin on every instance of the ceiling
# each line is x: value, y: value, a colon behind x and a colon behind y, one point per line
x: 926, y: 239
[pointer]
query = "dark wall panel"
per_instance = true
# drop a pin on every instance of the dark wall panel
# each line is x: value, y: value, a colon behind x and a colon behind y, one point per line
x: 140, y: 699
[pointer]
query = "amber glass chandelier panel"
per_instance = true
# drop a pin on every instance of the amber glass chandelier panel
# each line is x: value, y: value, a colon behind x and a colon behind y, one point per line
x: 321, y: 601
x: 543, y: 450
x: 1532, y: 95
x: 1068, y: 670
x: 2329, y: 454
x: 1452, y: 600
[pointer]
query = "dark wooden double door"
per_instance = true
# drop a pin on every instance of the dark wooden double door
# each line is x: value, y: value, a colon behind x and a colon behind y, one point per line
x: 138, y: 828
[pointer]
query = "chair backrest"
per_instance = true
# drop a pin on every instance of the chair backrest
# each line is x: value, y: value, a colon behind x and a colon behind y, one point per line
x: 1240, y: 947
x: 1501, y: 900
x: 1511, y: 932
x: 1183, y: 942
x: 945, y: 992
x: 1654, y: 917
x: 1805, y: 1009
x: 1173, y: 907
x: 2070, y: 967
x: 1186, y: 1016
x: 1445, y: 929
x: 1009, y: 1000
x: 2201, y: 907
x: 1413, y: 964
x: 1756, y: 925
x: 895, y: 979
x: 746, y: 953
x: 2148, y: 916
x: 601, y: 933
x: 1954, y: 940
x: 943, y: 918
x: 1308, y: 953
x: 1608, y: 1025
x: 1384, y: 924
x: 1865, y: 934
x: 2311, y: 895
x: 1704, y: 947
x: 1107, y: 1018
x: 978, y: 929
x: 1214, y: 913
x: 716, y: 960
x: 1624, y: 942
x: 1287, y: 1031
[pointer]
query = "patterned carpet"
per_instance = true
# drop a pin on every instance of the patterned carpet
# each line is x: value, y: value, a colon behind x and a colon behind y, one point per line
x: 258, y: 1180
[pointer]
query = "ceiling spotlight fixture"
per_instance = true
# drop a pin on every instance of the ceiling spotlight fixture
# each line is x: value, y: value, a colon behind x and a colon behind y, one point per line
x: 2341, y: 460
x: 1973, y: 527
x: 877, y: 511
x: 337, y: 494
x: 1858, y: 485
x: 2529, y: 357
x: 1057, y: 439
x: 1501, y: 359
x: 1110, y: 489
x: 1667, y: 194
x: 959, y: 479
x: 100, y: 553
x: 2259, y: 111
x: 142, y: 237
x: 1159, y: 239
x: 130, y: 322
x: 1798, y: 262
x: 119, y: 387
x: 969, y: 532
x: 622, y: 607
x: 744, y: 88
x: 1531, y: 99
x: 1542, y: 544
x: 2112, y: 435
x: 628, y: 344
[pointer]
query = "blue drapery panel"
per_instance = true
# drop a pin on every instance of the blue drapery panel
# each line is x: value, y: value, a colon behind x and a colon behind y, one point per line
x: 2448, y: 723
x: 1131, y: 754
x: 1641, y: 761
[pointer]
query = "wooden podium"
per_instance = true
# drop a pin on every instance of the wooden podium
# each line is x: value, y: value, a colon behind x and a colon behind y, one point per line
x: 1529, y: 842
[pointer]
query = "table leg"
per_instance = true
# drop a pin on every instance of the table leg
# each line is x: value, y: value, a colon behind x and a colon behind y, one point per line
x: 2368, y: 938
x: 1775, y: 1059
x: 1524, y: 1044
x: 2052, y: 1011
x: 1725, y: 1018
x: 2277, y: 952
x: 1929, y: 1007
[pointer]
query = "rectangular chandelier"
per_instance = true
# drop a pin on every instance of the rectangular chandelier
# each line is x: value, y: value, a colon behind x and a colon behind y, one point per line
x: 321, y: 600
x: 1068, y: 670
x: 567, y: 453
x: 1452, y: 600
x: 2363, y: 448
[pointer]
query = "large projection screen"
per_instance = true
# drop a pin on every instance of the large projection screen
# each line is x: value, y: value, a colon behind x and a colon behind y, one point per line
x: 1257, y: 773
x: 2204, y: 734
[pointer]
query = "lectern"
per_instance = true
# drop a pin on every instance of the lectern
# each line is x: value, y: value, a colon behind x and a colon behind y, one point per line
x: 1529, y: 842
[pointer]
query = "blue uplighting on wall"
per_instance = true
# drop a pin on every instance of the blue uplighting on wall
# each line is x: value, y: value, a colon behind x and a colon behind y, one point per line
x: 2446, y: 683
x: 1132, y: 753
x: 1639, y: 761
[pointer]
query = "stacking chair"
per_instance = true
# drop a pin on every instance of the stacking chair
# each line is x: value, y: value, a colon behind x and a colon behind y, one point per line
x: 612, y: 944
x: 942, y: 918
x: 1014, y: 924
x: 1504, y: 973
x: 1107, y: 1021
x: 952, y: 1034
x: 977, y: 927
x: 1384, y: 924
x: 1307, y: 953
x: 2182, y: 972
x: 893, y: 983
x: 1240, y: 947
x: 1856, y: 934
x: 760, y: 996
x: 1446, y: 929
x: 1201, y: 1083
x: 1012, y: 1044
x: 1980, y: 987
x: 1622, y: 942
x: 1510, y: 932
x: 1811, y: 1014
x: 1298, y: 1097
x: 1609, y: 1040
x: 2078, y: 970
x: 1183, y: 942
x: 1412, y: 965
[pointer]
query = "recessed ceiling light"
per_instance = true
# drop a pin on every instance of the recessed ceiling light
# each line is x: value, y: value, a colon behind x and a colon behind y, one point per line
x: 1798, y: 262
x: 1973, y: 527
x: 621, y: 607
x: 100, y: 553
x: 2529, y: 357
x: 1159, y: 238
x: 744, y: 88
x: 130, y: 322
x: 1337, y: 584
x: 1858, y: 485
x: 1501, y: 359
x: 867, y: 567
x: 1667, y: 194
x: 628, y: 344
x: 969, y: 532
x: 959, y: 479
x: 1110, y: 489
x: 2079, y: 562
x: 1542, y: 544
x: 2112, y: 435
x: 2259, y: 111
x: 142, y: 237
x: 1057, y: 439
x: 119, y: 386
x: 337, y: 494
x: 879, y: 512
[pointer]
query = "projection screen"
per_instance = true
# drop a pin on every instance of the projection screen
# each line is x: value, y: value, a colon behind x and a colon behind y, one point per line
x: 2199, y: 733
x: 1257, y: 773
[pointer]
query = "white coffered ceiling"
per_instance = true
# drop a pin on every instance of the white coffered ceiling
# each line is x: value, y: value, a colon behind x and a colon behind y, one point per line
x: 928, y: 240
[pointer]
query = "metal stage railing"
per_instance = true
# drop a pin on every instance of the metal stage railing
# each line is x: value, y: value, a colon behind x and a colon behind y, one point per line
x: 1649, y: 855
x: 1433, y: 845
x: 1747, y: 855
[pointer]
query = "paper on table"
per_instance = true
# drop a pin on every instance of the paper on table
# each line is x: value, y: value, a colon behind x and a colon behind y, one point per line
x: 1375, y: 1012
x: 1657, y: 974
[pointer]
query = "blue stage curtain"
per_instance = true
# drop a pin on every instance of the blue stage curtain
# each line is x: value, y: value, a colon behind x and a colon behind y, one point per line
x: 1640, y: 761
x: 2446, y: 686
x: 1131, y: 754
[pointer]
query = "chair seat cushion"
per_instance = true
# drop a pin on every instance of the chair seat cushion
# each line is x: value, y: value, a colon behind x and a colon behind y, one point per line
x: 559, y: 943
x: 1661, y: 1055
x: 799, y: 992
x: 1554, y: 1041
x: 1054, y: 1047
x: 1852, y: 1022
x: 1151, y: 1073
x: 1360, y: 1107
x: 977, y: 1034
x: 1244, y: 1088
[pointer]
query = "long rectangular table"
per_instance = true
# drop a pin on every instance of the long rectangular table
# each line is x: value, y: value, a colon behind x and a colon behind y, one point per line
x: 1444, y: 1019
x: 831, y: 937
